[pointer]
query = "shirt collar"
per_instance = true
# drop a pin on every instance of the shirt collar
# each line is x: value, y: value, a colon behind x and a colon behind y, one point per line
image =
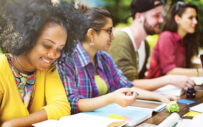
x: 177, y: 37
x: 99, y: 62
x: 83, y: 57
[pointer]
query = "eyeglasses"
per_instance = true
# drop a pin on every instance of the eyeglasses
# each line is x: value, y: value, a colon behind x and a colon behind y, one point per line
x: 178, y: 4
x: 109, y: 31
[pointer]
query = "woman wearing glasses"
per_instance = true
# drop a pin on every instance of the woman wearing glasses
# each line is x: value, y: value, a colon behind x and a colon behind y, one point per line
x: 90, y: 77
x: 177, y: 44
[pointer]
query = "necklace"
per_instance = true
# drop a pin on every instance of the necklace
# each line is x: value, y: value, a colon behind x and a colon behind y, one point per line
x: 22, y: 67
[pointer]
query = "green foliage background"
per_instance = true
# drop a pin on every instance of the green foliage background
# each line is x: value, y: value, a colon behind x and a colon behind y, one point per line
x: 199, y: 4
x: 120, y: 9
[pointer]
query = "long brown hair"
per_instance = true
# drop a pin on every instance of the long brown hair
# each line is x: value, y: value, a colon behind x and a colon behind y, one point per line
x: 190, y: 40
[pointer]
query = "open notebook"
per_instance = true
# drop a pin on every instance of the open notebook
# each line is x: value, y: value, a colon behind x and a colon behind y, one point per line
x: 133, y: 115
x: 77, y: 120
x: 102, y: 117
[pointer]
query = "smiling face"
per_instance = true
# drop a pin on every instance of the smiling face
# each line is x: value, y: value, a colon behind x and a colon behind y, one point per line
x: 47, y: 48
x: 102, y: 39
x: 188, y: 21
x: 153, y: 19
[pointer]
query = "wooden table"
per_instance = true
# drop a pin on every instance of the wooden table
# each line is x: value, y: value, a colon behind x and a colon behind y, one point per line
x: 157, y: 118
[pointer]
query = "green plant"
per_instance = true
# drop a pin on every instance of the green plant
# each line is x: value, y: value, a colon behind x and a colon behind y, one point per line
x: 119, y: 9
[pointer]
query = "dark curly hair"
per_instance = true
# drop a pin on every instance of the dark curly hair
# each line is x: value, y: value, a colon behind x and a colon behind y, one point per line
x: 23, y: 20
x: 190, y: 40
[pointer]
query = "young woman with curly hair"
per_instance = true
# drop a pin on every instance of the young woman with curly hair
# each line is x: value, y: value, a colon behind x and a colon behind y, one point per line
x: 177, y: 44
x: 34, y: 33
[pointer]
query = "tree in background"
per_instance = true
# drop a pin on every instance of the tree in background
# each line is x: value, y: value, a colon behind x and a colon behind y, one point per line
x: 199, y: 4
x: 120, y: 10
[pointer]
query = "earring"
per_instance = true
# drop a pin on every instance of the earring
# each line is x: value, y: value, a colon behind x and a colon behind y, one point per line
x: 92, y: 43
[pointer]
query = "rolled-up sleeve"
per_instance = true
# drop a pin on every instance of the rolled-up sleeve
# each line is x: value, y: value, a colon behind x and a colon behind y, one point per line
x: 57, y: 103
x: 167, y: 52
x: 67, y: 74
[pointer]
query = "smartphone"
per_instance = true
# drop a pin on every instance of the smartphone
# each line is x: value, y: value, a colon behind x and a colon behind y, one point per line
x: 201, y: 58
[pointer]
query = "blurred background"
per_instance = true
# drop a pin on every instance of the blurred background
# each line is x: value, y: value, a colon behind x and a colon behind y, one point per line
x: 120, y: 10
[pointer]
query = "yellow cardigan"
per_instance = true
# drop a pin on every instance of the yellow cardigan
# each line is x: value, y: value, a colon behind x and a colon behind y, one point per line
x: 48, y: 94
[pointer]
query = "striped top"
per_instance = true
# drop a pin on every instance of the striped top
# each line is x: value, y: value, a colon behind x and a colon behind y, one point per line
x: 77, y: 74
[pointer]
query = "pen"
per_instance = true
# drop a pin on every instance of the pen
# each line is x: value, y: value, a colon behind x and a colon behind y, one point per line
x: 131, y: 93
x: 137, y: 94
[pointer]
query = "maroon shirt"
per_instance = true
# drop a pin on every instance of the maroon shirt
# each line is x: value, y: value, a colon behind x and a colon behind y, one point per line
x: 168, y: 53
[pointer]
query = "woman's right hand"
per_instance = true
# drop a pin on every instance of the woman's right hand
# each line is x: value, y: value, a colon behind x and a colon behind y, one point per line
x: 123, y: 96
x: 180, y: 81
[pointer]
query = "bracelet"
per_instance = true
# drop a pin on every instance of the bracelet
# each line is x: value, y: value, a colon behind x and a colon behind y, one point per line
x: 197, y: 72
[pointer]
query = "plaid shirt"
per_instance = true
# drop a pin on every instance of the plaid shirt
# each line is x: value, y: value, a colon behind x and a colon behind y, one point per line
x: 77, y: 74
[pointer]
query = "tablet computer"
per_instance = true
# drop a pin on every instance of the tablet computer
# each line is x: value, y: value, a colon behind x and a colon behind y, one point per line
x: 153, y: 105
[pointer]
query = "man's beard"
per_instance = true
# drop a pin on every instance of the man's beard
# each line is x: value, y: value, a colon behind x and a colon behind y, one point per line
x: 149, y: 29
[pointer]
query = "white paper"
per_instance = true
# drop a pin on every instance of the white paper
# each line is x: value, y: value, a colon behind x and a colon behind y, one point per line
x: 84, y: 120
x: 184, y: 123
x: 170, y: 90
x: 170, y: 121
x: 197, y: 108
x: 195, y: 122
x: 47, y: 123
x: 197, y: 80
x: 78, y: 120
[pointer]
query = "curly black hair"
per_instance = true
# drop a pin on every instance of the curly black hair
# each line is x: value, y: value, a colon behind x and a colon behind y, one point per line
x: 23, y: 20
